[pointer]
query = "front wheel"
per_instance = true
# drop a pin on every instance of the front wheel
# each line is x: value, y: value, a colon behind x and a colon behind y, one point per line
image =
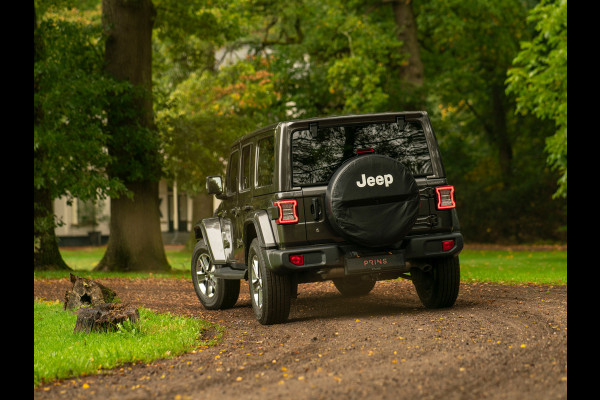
x: 214, y: 293
x: 438, y: 288
x: 270, y: 292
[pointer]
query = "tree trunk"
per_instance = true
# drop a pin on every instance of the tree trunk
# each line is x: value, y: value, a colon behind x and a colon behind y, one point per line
x: 128, y: 53
x: 105, y: 317
x: 86, y: 292
x: 46, y: 255
x: 202, y: 207
x: 413, y: 72
x: 135, y: 241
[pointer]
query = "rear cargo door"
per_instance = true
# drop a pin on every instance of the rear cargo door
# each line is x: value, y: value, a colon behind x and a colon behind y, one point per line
x: 319, y: 151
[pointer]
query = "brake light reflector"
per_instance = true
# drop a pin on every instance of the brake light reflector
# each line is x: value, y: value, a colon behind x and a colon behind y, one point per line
x: 447, y: 245
x: 288, y: 213
x: 297, y: 259
x: 363, y: 151
x: 445, y: 197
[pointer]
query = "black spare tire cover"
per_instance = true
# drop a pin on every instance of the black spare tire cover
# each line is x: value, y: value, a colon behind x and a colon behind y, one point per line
x: 372, y: 200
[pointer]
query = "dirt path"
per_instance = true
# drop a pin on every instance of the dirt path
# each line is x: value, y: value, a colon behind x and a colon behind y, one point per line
x: 497, y: 342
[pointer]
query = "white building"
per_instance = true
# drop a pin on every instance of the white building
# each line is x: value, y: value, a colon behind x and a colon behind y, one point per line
x: 175, y: 218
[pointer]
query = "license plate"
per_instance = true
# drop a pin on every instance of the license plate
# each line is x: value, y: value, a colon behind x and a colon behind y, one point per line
x: 374, y: 263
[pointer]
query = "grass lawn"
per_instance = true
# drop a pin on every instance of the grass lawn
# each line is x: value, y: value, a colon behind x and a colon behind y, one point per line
x: 514, y: 267
x: 510, y: 267
x: 59, y: 353
x: 86, y: 258
x: 83, y: 260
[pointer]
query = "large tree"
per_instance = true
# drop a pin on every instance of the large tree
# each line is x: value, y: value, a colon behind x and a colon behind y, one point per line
x: 70, y: 93
x: 135, y: 242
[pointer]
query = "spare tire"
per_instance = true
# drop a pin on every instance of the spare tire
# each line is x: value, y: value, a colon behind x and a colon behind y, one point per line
x: 372, y: 200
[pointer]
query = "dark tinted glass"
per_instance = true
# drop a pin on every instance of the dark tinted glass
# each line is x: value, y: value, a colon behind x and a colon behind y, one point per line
x: 265, y: 161
x: 314, y: 160
x: 246, y: 159
x: 232, y: 173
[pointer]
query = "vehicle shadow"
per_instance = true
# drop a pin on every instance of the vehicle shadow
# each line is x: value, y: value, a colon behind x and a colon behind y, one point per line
x: 379, y: 303
x: 322, y: 302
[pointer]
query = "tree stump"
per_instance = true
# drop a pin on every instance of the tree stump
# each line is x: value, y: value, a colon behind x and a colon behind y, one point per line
x: 105, y: 317
x: 86, y: 292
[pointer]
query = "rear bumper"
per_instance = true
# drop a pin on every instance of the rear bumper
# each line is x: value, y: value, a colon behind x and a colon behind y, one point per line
x: 332, y: 255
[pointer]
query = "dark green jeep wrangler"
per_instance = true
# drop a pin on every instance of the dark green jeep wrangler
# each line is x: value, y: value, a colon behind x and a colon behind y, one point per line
x: 353, y: 199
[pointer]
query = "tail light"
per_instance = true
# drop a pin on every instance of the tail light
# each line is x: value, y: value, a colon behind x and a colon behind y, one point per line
x: 297, y: 259
x: 288, y: 213
x: 445, y: 197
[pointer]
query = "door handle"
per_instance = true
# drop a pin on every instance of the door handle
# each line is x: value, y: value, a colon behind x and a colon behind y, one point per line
x: 315, y: 209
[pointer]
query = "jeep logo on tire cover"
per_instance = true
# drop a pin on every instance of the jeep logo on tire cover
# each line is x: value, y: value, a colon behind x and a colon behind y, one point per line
x: 386, y: 180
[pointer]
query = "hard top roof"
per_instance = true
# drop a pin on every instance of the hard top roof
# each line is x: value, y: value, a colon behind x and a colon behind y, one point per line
x: 296, y: 123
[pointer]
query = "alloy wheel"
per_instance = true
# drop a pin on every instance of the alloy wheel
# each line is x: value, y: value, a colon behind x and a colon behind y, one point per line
x: 205, y: 276
x: 257, y: 283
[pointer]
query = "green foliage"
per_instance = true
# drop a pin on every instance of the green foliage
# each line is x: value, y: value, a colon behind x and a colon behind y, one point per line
x: 539, y: 79
x: 195, y: 121
x: 71, y: 94
x: 494, y: 157
x: 135, y: 150
x: 223, y: 68
x: 332, y: 57
x: 206, y: 112
x: 301, y: 58
x: 60, y: 353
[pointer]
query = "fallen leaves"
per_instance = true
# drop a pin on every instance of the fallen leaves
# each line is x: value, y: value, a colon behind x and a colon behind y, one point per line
x: 344, y: 343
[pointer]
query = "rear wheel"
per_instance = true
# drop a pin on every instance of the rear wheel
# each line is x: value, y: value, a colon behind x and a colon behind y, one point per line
x: 214, y: 293
x: 354, y: 286
x: 438, y: 288
x: 270, y: 292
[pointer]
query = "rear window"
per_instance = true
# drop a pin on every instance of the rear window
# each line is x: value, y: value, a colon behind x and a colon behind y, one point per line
x: 315, y: 159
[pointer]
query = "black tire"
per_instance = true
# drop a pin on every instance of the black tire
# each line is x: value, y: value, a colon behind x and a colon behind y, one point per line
x: 214, y: 293
x: 270, y: 293
x: 372, y: 200
x: 354, y: 286
x: 438, y: 288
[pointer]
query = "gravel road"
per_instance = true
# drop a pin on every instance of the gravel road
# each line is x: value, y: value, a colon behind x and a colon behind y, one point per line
x: 497, y: 342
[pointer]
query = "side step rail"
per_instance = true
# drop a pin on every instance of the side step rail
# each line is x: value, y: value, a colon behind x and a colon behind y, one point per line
x: 226, y: 272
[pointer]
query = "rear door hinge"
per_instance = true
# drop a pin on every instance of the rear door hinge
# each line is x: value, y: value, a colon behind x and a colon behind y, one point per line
x: 427, y: 192
x: 430, y: 220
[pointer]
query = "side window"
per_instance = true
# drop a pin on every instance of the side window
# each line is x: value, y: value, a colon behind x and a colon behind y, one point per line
x: 246, y: 162
x: 265, y: 161
x: 233, y: 169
